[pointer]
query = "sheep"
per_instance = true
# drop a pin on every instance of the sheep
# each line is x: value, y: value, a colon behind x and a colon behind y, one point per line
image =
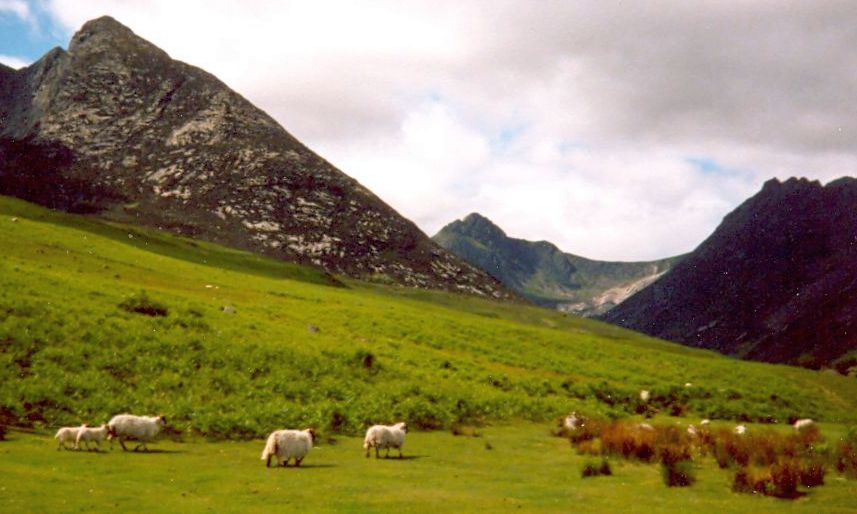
x: 88, y: 434
x: 68, y: 434
x: 645, y: 395
x: 383, y: 436
x: 288, y: 444
x: 128, y: 427
x: 645, y: 426
x: 803, y: 424
x: 692, y: 431
x: 573, y: 421
x: 705, y: 422
x: 740, y: 429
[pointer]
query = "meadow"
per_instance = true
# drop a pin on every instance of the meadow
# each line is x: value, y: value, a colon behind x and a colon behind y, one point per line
x: 98, y: 318
x: 508, y: 468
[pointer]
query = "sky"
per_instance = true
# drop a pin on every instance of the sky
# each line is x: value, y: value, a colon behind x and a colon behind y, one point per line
x: 615, y: 130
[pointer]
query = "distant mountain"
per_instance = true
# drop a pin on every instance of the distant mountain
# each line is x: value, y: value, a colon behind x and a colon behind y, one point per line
x: 777, y: 281
x: 115, y: 126
x: 543, y: 273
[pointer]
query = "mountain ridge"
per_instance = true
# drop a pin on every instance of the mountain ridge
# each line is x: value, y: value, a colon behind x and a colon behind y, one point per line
x: 776, y: 281
x: 543, y: 273
x: 114, y: 126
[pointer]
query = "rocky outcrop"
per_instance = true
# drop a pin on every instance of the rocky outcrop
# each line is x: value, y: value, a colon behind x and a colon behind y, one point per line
x: 115, y: 126
x: 543, y: 273
x: 777, y: 281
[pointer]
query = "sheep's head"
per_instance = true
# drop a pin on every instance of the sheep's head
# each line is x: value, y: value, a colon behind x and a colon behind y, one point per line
x: 403, y: 426
x: 111, y: 432
x: 311, y: 433
x: 162, y: 420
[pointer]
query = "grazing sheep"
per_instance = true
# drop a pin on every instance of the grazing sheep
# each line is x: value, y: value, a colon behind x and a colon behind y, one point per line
x: 68, y: 434
x: 740, y: 429
x: 573, y: 421
x: 128, y: 427
x: 383, y: 436
x: 645, y: 426
x: 288, y: 444
x: 705, y: 422
x: 645, y: 395
x: 803, y: 424
x: 692, y: 431
x: 89, y: 434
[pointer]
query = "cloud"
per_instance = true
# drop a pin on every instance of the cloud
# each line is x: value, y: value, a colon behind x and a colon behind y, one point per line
x: 18, y: 8
x: 615, y: 130
x: 14, y: 62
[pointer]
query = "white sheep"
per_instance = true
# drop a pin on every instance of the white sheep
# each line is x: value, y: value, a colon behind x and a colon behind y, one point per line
x: 68, y: 434
x: 692, y: 431
x: 89, y: 434
x: 740, y: 429
x: 288, y: 444
x: 705, y: 422
x: 645, y: 395
x: 573, y: 421
x: 803, y: 424
x: 383, y: 436
x: 645, y: 426
x: 128, y: 427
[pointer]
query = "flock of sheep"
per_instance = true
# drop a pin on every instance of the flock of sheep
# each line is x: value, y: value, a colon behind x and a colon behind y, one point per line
x: 284, y: 445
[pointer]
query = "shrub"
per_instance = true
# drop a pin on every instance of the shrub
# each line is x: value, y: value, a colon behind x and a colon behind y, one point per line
x: 812, y: 472
x: 628, y: 440
x: 140, y: 303
x: 752, y: 480
x: 785, y: 475
x: 593, y: 468
x: 678, y: 473
x: 846, y: 454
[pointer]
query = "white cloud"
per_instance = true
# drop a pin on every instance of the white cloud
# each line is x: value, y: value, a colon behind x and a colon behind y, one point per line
x: 17, y: 7
x: 566, y: 121
x: 13, y: 62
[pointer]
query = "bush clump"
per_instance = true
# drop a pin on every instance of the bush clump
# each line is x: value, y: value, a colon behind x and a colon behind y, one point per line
x: 592, y: 468
x: 140, y: 303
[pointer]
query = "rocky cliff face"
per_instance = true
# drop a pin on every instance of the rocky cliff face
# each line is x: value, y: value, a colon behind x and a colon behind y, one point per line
x: 115, y: 126
x: 543, y: 273
x: 777, y: 281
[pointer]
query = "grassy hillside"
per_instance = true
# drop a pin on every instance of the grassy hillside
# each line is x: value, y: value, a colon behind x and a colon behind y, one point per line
x: 248, y: 344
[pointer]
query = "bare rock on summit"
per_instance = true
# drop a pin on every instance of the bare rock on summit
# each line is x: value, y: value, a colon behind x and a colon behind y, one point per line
x: 116, y: 127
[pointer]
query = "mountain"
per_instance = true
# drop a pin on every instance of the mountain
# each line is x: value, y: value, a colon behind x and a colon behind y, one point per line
x: 114, y: 126
x: 776, y: 282
x: 544, y: 274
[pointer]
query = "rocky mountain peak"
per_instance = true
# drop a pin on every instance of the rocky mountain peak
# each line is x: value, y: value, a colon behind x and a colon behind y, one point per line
x: 116, y: 127
x: 478, y: 225
x: 776, y: 281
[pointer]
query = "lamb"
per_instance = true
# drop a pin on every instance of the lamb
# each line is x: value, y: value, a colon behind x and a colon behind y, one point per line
x: 572, y: 421
x: 803, y: 424
x: 128, y: 427
x: 383, y: 436
x: 288, y: 444
x: 68, y: 434
x: 88, y: 434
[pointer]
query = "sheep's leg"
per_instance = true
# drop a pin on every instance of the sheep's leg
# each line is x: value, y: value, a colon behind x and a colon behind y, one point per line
x: 268, y: 462
x: 377, y: 453
x: 400, y: 451
x: 122, y: 442
x: 387, y: 455
x: 297, y: 462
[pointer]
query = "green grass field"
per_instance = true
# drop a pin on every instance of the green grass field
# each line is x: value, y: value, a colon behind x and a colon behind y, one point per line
x: 525, y: 470
x: 250, y: 344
